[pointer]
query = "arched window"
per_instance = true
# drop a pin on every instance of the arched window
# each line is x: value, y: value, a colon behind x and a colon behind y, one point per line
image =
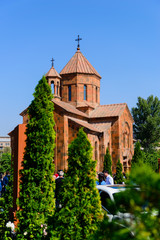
x: 85, y: 92
x: 52, y: 86
x: 69, y: 93
x: 96, y: 94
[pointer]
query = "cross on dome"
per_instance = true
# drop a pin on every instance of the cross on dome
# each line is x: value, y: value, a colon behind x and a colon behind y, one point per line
x: 78, y: 39
x: 52, y: 60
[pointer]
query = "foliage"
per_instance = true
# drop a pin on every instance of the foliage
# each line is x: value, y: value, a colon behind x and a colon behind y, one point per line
x: 36, y: 199
x: 5, y: 162
x: 5, y: 233
x: 111, y: 230
x: 81, y: 208
x: 107, y: 162
x: 141, y: 202
x: 7, y: 150
x: 147, y: 122
x: 119, y: 175
x: 6, y: 207
x: 151, y: 159
x: 138, y: 157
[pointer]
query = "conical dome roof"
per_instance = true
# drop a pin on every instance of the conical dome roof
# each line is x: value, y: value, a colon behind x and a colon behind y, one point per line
x: 79, y: 64
x: 52, y: 73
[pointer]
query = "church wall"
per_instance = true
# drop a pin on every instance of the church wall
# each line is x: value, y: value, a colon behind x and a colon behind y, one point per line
x: 115, y: 144
x: 18, y: 144
x: 126, y: 139
x: 58, y: 154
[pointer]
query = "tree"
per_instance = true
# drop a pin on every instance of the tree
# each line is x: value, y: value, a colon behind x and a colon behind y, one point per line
x: 138, y: 157
x: 141, y: 202
x: 5, y: 162
x: 147, y: 122
x: 151, y: 159
x: 119, y: 175
x: 36, y: 201
x: 6, y: 212
x: 81, y: 208
x: 107, y: 162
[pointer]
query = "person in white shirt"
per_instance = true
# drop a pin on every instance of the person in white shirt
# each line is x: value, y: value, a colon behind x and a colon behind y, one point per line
x: 109, y: 179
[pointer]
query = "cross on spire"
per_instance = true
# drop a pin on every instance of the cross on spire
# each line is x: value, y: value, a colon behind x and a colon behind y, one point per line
x: 78, y: 39
x: 52, y: 60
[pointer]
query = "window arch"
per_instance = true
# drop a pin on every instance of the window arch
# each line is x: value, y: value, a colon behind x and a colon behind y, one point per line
x: 85, y: 92
x: 52, y: 86
x: 69, y: 93
x: 126, y: 135
x: 96, y: 94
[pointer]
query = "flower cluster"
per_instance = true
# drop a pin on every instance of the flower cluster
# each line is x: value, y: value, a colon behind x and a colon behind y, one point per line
x: 45, y: 228
x: 10, y: 225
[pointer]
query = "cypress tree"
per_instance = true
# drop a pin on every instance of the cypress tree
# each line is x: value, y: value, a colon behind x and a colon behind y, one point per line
x: 107, y: 162
x: 119, y: 175
x: 81, y: 208
x: 36, y: 201
x: 138, y: 154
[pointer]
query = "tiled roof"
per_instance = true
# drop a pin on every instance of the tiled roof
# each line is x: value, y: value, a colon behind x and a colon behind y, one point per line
x: 102, y: 126
x: 79, y: 64
x: 52, y: 73
x: 69, y: 108
x: 85, y: 124
x: 84, y: 104
x: 112, y: 110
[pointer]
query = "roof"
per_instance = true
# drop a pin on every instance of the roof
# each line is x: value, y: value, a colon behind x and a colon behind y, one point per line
x: 79, y: 64
x: 112, y: 110
x: 85, y: 124
x: 52, y: 73
x: 69, y: 108
x: 85, y: 104
x: 102, y: 126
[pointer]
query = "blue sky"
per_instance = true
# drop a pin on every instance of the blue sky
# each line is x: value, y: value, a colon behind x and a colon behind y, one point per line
x: 121, y: 39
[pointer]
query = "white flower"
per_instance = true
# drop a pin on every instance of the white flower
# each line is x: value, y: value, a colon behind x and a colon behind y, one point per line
x: 10, y: 225
x: 25, y: 233
x: 44, y: 232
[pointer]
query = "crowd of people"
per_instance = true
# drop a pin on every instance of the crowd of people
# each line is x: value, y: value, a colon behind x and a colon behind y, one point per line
x: 3, y: 182
x: 104, y: 178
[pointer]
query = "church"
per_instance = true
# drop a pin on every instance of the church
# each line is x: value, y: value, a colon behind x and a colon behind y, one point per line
x: 76, y: 101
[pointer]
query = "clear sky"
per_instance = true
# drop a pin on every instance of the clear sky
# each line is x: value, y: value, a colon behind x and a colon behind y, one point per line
x: 121, y: 39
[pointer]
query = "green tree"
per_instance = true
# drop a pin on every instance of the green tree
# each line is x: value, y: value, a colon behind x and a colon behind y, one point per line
x: 107, y: 162
x: 147, y: 122
x: 6, y: 210
x: 81, y: 208
x: 138, y: 157
x: 5, y: 162
x: 151, y: 159
x: 141, y: 201
x: 119, y: 175
x: 36, y: 199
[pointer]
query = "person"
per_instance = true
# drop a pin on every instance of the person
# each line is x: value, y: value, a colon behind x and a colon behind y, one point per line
x: 109, y: 179
x: 5, y: 181
x: 101, y: 179
x: 1, y: 184
x: 58, y: 182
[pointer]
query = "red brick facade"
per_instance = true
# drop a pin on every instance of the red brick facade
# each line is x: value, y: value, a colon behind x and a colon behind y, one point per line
x: 77, y: 104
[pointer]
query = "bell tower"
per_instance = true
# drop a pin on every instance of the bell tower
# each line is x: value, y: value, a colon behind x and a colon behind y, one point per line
x: 80, y: 83
x: 54, y: 79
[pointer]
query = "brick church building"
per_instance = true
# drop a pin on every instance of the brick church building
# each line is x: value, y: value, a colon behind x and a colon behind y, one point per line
x: 76, y: 101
